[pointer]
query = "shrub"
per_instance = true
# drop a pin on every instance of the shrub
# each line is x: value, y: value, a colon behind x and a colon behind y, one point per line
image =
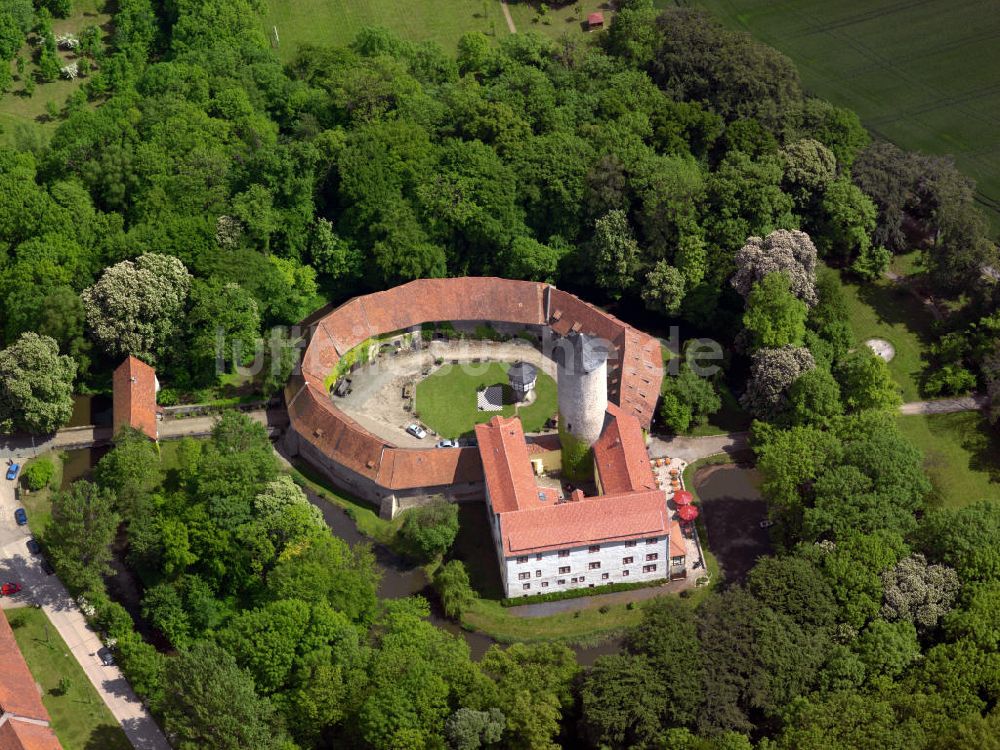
x: 429, y: 530
x: 604, y: 609
x: 452, y: 584
x: 38, y: 473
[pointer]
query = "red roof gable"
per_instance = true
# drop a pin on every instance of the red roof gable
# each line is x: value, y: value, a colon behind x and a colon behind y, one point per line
x: 134, y: 397
x: 504, y: 453
x: 620, y: 455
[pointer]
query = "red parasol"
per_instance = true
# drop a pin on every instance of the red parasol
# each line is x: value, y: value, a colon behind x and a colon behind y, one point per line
x: 683, y: 497
x: 687, y: 513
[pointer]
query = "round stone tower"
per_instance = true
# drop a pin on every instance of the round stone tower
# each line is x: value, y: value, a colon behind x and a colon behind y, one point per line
x: 582, y: 376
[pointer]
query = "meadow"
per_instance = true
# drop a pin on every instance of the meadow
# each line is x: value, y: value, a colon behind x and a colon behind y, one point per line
x: 920, y: 74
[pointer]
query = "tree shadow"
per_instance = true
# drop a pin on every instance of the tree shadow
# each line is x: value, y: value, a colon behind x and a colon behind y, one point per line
x: 104, y: 737
x: 894, y: 305
x: 984, y: 445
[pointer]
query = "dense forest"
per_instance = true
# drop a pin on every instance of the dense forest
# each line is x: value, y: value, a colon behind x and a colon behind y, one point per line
x: 674, y: 167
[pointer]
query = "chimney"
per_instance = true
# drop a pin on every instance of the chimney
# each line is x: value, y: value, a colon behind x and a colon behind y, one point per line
x: 576, y: 496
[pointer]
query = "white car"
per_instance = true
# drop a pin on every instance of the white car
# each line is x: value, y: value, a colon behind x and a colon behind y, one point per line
x: 417, y: 431
x: 766, y: 524
x: 447, y: 444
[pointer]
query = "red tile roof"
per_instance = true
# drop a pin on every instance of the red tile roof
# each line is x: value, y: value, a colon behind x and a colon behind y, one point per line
x: 21, y: 735
x: 18, y: 692
x: 592, y: 520
x: 23, y: 718
x: 677, y: 546
x: 506, y: 465
x: 635, y: 366
x: 620, y: 455
x: 134, y: 397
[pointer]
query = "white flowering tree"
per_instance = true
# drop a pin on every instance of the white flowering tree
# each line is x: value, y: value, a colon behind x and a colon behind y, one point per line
x: 772, y: 372
x: 782, y: 250
x: 36, y: 385
x: 135, y: 306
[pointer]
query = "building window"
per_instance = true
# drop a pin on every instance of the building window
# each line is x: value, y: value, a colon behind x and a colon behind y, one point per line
x: 545, y: 584
x: 628, y: 560
x: 574, y: 580
x: 677, y: 560
x: 564, y: 569
x: 630, y: 544
x: 526, y: 586
x: 564, y: 553
x: 583, y: 578
x: 624, y: 574
x: 594, y: 566
x: 522, y: 559
x: 523, y: 576
x: 651, y: 541
x: 653, y: 556
x: 594, y: 548
x: 561, y: 581
x: 648, y: 568
x: 605, y: 576
x: 538, y: 574
x: 538, y: 556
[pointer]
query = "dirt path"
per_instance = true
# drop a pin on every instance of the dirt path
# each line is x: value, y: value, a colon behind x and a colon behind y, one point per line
x: 507, y: 17
x: 946, y: 405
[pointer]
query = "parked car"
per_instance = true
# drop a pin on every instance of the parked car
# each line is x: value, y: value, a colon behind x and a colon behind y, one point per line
x: 12, y: 471
x: 47, y: 567
x: 766, y: 524
x: 21, y: 517
x: 10, y: 588
x: 447, y: 444
x: 33, y: 546
x: 106, y: 657
x: 417, y: 431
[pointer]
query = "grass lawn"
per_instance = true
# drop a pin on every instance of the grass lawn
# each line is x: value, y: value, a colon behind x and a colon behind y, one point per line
x: 38, y: 504
x: 80, y: 719
x: 961, y: 456
x: 921, y: 74
x: 336, y: 22
x: 560, y: 19
x: 886, y: 311
x: 585, y: 626
x: 25, y: 120
x: 446, y: 399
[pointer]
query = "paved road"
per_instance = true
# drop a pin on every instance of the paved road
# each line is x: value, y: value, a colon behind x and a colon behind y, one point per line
x: 692, y: 448
x: 48, y: 592
x: 26, y: 446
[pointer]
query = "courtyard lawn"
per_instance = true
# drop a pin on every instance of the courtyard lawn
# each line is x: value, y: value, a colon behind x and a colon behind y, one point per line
x: 920, y: 74
x: 337, y: 22
x: 961, y: 456
x: 80, y: 719
x: 584, y: 626
x: 446, y: 399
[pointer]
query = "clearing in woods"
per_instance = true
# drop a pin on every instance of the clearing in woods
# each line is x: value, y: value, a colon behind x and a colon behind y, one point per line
x: 921, y: 74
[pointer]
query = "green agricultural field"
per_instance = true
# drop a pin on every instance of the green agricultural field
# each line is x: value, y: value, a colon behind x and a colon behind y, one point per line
x: 80, y: 719
x: 335, y: 22
x: 446, y: 399
x: 921, y: 74
x: 961, y: 456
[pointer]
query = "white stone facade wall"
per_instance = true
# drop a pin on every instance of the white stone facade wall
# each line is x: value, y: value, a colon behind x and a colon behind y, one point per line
x: 544, y: 576
x: 583, y: 400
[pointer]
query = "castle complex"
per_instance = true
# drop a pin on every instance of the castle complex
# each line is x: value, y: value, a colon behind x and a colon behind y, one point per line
x: 549, y: 535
